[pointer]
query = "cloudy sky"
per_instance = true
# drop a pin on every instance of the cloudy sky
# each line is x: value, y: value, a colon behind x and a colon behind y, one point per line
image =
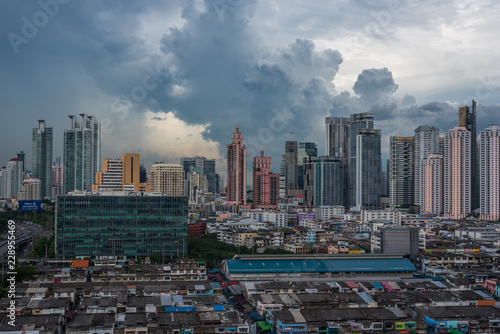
x: 173, y: 78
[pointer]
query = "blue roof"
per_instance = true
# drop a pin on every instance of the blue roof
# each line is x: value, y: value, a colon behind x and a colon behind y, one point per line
x: 377, y: 285
x: 320, y: 265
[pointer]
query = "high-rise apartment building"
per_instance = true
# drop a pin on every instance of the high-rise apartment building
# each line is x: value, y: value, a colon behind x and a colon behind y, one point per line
x: 426, y: 143
x: 490, y: 173
x: 167, y: 179
x: 82, y: 153
x: 291, y: 168
x: 207, y: 167
x: 338, y: 145
x: 307, y: 149
x: 127, y: 224
x: 433, y: 184
x: 42, y: 158
x: 324, y: 180
x: 338, y: 136
x: 457, y: 173
x: 368, y: 168
x: 282, y: 179
x: 341, y: 142
x: 265, y: 191
x: 467, y: 119
x: 401, y: 169
x: 237, y: 170
x: 11, y: 178
x: 22, y: 156
x: 30, y: 190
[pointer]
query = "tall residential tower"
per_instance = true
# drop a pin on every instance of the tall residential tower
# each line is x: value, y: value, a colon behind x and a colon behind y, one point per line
x: 42, y: 158
x: 82, y: 153
x: 237, y: 170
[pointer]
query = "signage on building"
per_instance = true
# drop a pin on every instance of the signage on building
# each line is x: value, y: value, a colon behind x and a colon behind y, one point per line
x: 30, y: 205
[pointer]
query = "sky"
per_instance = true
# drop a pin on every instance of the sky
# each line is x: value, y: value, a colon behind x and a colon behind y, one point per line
x: 174, y: 78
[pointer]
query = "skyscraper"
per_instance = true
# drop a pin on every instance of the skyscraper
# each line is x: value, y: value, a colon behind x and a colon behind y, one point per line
x: 264, y: 190
x: 338, y: 136
x: 291, y: 168
x: 457, y: 173
x: 490, y: 173
x: 338, y: 145
x: 237, y: 170
x: 433, y: 184
x: 426, y: 143
x: 42, y: 158
x: 324, y: 180
x: 11, y: 178
x: 401, y: 171
x: 368, y: 168
x: 167, y: 178
x: 467, y: 119
x: 207, y: 167
x: 282, y: 179
x: 341, y: 142
x: 21, y: 156
x: 305, y: 150
x: 82, y: 153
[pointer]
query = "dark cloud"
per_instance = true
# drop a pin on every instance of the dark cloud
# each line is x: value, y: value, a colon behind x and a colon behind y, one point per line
x: 219, y: 64
x: 374, y: 84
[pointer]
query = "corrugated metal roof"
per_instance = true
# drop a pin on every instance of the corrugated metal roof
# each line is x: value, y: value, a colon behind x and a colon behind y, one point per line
x: 320, y: 265
x: 366, y: 297
x: 377, y: 285
x: 439, y: 284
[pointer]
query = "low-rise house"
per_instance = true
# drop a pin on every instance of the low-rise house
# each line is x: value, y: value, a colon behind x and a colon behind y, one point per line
x: 98, y: 305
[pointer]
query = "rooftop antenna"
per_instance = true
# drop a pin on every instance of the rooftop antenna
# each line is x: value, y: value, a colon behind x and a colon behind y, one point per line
x: 291, y: 135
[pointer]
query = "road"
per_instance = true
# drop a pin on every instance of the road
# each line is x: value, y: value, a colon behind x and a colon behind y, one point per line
x: 25, y: 232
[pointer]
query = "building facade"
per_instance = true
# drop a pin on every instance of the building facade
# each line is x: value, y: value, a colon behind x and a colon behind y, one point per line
x: 324, y: 181
x: 207, y: 167
x: 237, y: 170
x: 11, y: 178
x: 401, y: 169
x: 263, y: 194
x: 30, y: 190
x: 131, y: 224
x: 167, y: 179
x: 426, y: 143
x: 490, y: 173
x: 42, y: 158
x: 291, y: 168
x: 82, y: 153
x: 433, y: 184
x: 368, y: 168
x: 457, y: 173
x: 120, y: 174
x: 305, y: 150
x: 467, y: 119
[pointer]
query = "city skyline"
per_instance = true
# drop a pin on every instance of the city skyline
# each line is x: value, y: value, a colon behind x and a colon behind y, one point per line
x: 284, y: 77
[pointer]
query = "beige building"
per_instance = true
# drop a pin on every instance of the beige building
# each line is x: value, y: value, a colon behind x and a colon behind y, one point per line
x: 433, y: 177
x: 167, y: 178
x: 30, y: 190
x: 120, y: 174
x: 457, y: 173
x: 490, y: 173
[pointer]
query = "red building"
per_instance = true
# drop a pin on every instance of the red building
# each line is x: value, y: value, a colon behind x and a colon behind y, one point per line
x: 265, y: 183
x: 197, y: 229
x: 236, y: 170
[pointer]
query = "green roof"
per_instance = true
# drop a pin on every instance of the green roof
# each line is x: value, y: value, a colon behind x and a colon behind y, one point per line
x: 264, y: 325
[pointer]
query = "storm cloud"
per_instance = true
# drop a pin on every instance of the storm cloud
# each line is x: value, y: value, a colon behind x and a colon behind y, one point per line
x: 174, y: 78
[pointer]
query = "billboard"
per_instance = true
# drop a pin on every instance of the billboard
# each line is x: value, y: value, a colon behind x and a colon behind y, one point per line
x: 30, y: 205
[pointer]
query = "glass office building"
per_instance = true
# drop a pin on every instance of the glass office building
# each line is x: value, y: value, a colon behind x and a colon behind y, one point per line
x: 131, y: 224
